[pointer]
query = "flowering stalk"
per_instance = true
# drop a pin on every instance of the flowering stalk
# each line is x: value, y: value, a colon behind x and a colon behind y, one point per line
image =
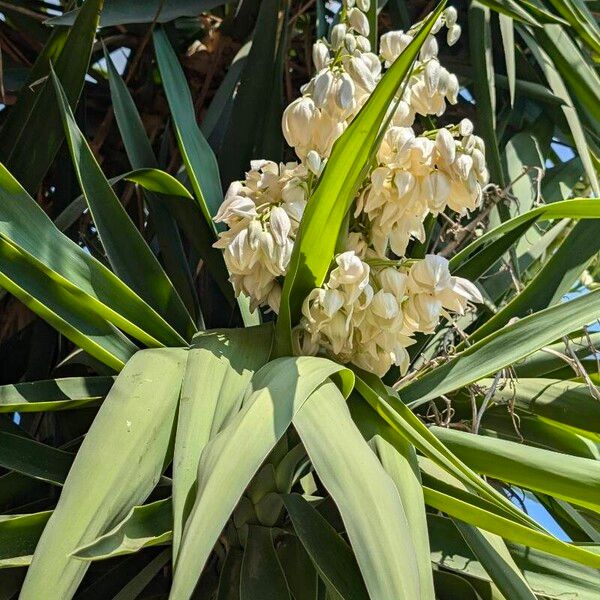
x: 370, y: 308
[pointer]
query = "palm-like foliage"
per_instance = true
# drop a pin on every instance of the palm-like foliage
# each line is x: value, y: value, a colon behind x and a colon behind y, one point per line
x: 182, y: 452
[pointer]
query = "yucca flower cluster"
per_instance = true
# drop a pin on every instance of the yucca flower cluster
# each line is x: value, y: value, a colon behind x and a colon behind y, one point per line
x: 371, y: 305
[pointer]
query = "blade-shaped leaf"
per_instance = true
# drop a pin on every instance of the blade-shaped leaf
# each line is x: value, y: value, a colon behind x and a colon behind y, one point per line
x: 40, y: 131
x: 331, y: 555
x: 231, y: 459
x: 19, y: 535
x: 261, y: 575
x: 145, y: 526
x: 25, y: 278
x: 503, y: 348
x: 128, y: 253
x: 27, y: 227
x: 140, y: 154
x: 199, y: 160
x: 373, y: 515
x: 54, y: 394
x: 134, y: 426
x: 219, y: 368
x: 124, y: 12
x: 571, y: 478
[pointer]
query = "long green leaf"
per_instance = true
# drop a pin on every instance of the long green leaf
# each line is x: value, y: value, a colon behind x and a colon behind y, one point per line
x: 54, y: 394
x: 25, y: 278
x: 331, y: 555
x: 231, y: 459
x: 578, y: 208
x: 129, y: 254
x: 119, y: 463
x: 140, y: 154
x: 34, y: 459
x: 503, y: 348
x: 123, y: 12
x: 547, y: 574
x: 27, y: 227
x: 570, y: 478
x: 318, y: 233
x: 508, y: 529
x: 219, y: 368
x: 145, y: 526
x: 373, y: 515
x: 40, y: 131
x: 18, y: 537
x: 261, y: 575
x: 199, y: 160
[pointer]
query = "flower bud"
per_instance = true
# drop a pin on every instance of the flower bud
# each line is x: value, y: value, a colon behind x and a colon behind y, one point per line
x: 280, y: 225
x: 338, y: 34
x: 463, y: 165
x: 364, y: 5
x: 358, y: 21
x: 392, y: 44
x: 465, y: 127
x: 298, y: 120
x: 363, y: 43
x: 453, y: 34
x: 384, y: 305
x: 313, y: 162
x: 432, y: 76
x: 450, y: 16
x: 445, y: 145
x: 344, y: 96
x: 320, y: 55
x: 453, y: 87
x: 359, y: 71
x: 429, y: 49
x: 322, y: 86
x: 350, y: 43
x: 254, y: 231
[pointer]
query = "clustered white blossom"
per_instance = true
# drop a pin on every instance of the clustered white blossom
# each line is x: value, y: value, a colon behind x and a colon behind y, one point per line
x: 371, y: 306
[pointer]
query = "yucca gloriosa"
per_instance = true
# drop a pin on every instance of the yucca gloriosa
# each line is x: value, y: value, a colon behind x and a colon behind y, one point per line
x: 217, y: 465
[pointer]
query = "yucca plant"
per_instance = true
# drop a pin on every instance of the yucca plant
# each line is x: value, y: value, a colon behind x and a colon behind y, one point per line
x: 354, y: 374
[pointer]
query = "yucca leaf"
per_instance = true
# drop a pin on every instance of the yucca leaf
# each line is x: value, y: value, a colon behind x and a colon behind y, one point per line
x: 485, y: 91
x: 18, y: 537
x: 508, y: 44
x: 558, y: 87
x: 557, y: 276
x: 261, y: 575
x: 34, y: 459
x: 140, y: 581
x: 145, y: 526
x: 578, y: 208
x: 399, y: 460
x: 140, y: 154
x: 327, y: 207
x: 25, y: 225
x: 27, y: 279
x: 508, y: 529
x: 547, y: 574
x: 122, y: 12
x: 54, y: 394
x: 559, y: 475
x: 128, y: 253
x: 247, y: 127
x: 503, y: 348
x: 389, y: 408
x: 134, y: 426
x: 36, y: 132
x: 580, y: 18
x: 373, y: 515
x: 499, y: 567
x: 199, y: 160
x: 219, y: 368
x: 330, y: 554
x: 232, y: 458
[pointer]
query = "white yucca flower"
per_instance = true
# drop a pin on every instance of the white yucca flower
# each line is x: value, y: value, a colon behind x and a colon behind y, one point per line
x: 370, y: 308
